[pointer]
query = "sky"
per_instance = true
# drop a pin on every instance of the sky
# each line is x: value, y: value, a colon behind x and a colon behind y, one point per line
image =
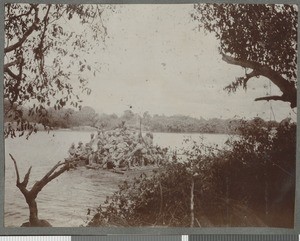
x: 155, y: 59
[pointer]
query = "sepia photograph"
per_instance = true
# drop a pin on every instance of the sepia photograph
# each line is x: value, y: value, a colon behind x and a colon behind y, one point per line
x: 150, y: 115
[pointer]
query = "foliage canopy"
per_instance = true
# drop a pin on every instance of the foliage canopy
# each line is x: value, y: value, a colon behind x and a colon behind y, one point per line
x: 43, y: 55
x: 258, y: 37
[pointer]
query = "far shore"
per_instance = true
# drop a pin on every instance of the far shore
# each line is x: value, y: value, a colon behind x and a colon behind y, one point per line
x: 41, y: 128
x: 91, y: 129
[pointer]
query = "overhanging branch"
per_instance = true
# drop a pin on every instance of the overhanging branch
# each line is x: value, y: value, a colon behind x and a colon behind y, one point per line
x: 243, y: 63
x: 271, y: 97
x: 254, y: 73
x: 52, y: 174
x: 60, y: 171
x: 48, y: 174
x: 289, y: 90
x: 275, y: 77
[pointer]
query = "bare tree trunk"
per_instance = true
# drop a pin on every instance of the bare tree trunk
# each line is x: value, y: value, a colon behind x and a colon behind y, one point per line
x: 192, y: 203
x: 31, y: 195
x: 33, y: 212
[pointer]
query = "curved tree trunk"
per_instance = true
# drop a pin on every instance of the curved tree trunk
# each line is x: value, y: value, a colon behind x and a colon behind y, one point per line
x: 31, y: 195
x: 33, y: 212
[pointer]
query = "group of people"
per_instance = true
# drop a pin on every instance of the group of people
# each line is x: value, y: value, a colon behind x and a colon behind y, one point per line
x: 86, y: 153
x: 121, y: 147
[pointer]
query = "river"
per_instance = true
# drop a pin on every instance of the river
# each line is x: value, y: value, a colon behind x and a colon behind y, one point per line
x: 64, y: 201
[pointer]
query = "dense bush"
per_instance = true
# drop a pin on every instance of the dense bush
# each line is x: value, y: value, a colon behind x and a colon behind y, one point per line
x: 259, y: 171
x: 251, y: 183
x: 152, y: 200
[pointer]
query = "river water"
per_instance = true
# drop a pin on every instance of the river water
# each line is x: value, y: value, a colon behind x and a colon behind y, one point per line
x: 64, y: 201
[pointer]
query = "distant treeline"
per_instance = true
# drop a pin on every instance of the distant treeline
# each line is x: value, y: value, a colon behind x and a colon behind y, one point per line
x: 87, y: 116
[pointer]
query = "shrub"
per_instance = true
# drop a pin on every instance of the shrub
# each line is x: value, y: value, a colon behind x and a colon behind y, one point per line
x: 251, y: 183
x: 259, y: 171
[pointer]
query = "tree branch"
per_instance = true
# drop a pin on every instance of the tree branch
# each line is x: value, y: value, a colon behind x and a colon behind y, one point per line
x: 51, y: 171
x: 271, y: 97
x: 38, y: 186
x: 21, y: 186
x: 275, y: 77
x: 39, y: 51
x: 16, y: 168
x: 15, y: 62
x: 21, y: 15
x: 246, y: 64
x: 254, y: 73
x: 12, y: 74
x: 25, y: 36
x: 288, y: 88
x: 26, y: 178
x: 59, y: 172
x: 45, y: 20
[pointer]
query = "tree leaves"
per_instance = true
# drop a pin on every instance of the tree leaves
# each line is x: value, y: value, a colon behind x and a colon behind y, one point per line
x: 262, y: 33
x: 35, y: 35
x: 229, y: 186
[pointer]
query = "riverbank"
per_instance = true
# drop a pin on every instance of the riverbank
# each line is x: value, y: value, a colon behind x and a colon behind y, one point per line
x: 42, y: 128
x: 60, y: 202
x: 69, y: 209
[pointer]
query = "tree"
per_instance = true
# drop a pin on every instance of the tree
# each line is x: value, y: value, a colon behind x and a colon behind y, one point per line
x: 31, y: 195
x: 86, y: 116
x: 250, y: 182
x: 261, y: 38
x: 44, y: 55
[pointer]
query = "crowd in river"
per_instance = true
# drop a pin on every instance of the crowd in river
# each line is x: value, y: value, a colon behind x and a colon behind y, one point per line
x: 122, y: 147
